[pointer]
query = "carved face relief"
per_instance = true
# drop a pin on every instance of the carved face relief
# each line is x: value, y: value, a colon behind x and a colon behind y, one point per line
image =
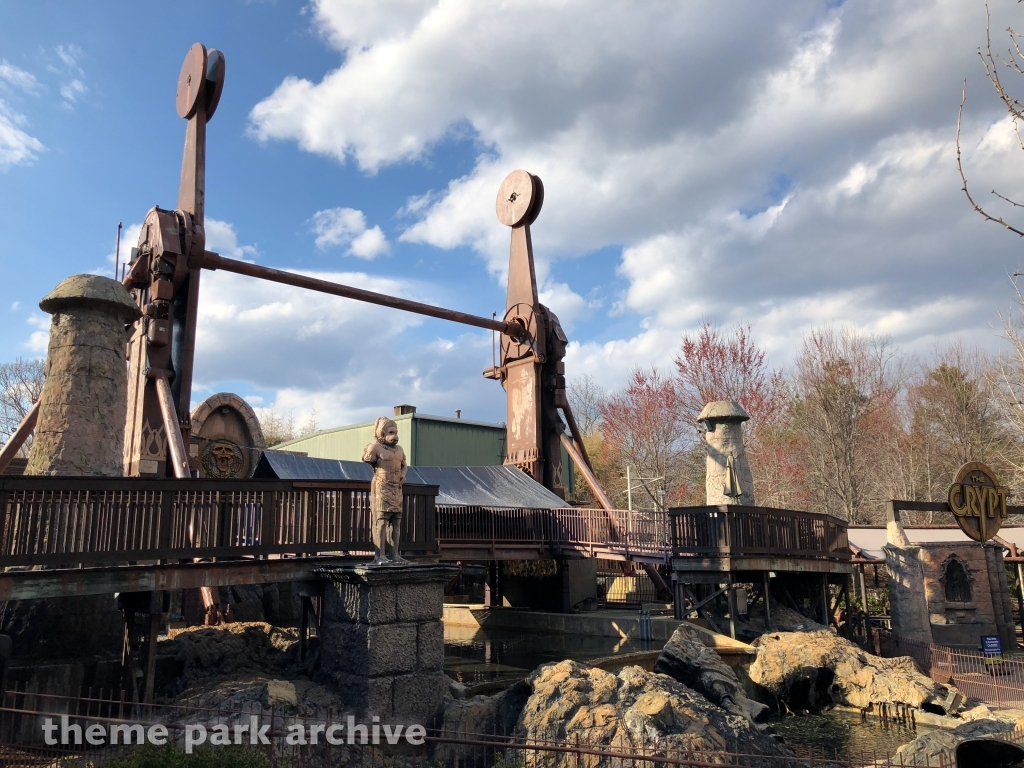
x: 222, y: 459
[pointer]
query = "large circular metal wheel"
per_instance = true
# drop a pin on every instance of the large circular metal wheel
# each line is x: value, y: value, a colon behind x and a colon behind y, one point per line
x: 191, y: 81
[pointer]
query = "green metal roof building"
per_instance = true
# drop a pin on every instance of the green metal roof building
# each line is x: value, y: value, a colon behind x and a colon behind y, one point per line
x: 429, y: 441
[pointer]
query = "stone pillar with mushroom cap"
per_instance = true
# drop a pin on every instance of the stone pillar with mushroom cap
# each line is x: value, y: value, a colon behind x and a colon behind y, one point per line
x: 82, y: 407
x: 80, y: 431
x: 728, y: 479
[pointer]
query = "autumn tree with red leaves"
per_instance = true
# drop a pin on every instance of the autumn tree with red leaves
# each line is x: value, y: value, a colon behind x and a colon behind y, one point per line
x: 712, y: 365
x: 716, y: 365
x: 644, y: 427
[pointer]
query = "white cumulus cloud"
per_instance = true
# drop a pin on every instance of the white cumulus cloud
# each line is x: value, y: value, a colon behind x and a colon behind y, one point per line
x: 15, y: 77
x: 17, y: 147
x: 783, y: 164
x: 347, y: 227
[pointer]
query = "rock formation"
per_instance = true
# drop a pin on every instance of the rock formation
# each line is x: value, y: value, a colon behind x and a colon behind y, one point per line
x: 817, y: 670
x: 687, y: 659
x: 569, y: 702
x: 927, y: 748
x: 784, y: 619
x: 200, y: 655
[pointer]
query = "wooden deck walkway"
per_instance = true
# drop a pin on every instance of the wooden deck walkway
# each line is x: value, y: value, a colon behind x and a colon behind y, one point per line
x: 75, y: 536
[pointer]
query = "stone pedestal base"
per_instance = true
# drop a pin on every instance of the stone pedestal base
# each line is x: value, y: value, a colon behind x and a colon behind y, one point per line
x: 382, y: 640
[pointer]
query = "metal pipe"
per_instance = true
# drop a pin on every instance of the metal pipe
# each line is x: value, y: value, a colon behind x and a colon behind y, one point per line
x: 570, y: 419
x: 179, y: 458
x: 212, y: 260
x: 588, y: 475
x: 602, y: 499
x: 20, y: 435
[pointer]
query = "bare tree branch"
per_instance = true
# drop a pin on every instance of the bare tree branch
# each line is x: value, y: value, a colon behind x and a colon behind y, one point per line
x: 960, y: 166
x: 1011, y: 202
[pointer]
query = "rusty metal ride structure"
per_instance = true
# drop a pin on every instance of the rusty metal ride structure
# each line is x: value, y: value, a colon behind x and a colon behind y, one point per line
x: 164, y: 277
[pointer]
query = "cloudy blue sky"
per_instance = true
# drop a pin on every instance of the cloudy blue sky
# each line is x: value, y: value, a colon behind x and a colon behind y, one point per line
x: 782, y: 164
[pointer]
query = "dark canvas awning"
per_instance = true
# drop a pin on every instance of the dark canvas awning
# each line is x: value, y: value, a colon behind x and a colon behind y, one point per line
x: 459, y: 486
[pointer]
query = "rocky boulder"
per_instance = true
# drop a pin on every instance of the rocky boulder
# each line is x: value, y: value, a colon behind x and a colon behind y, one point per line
x: 569, y: 702
x: 940, y: 744
x: 784, y: 619
x: 202, y: 654
x: 687, y: 659
x: 817, y: 670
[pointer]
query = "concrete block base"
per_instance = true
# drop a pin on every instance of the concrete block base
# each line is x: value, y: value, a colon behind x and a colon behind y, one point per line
x: 382, y: 640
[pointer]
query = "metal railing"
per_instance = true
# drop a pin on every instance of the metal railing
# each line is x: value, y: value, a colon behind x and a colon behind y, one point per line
x: 998, y: 680
x: 22, y: 741
x: 739, y: 531
x: 78, y: 521
x: 74, y: 521
x: 591, y: 532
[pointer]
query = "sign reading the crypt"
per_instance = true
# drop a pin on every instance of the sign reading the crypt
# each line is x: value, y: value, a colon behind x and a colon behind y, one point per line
x: 977, y: 501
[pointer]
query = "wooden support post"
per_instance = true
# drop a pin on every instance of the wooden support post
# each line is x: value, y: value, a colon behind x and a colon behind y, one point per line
x: 6, y: 646
x: 212, y: 606
x: 678, y: 600
x: 864, y: 602
x: 731, y: 602
x: 825, y: 601
x: 846, y: 605
x: 151, y: 657
x: 127, y: 662
x: 767, y: 602
x: 154, y: 633
x: 304, y: 626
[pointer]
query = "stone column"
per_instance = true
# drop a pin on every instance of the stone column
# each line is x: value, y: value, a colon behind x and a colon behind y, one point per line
x: 80, y: 432
x: 82, y: 408
x: 908, y: 603
x: 382, y: 640
x: 727, y: 479
x: 996, y: 567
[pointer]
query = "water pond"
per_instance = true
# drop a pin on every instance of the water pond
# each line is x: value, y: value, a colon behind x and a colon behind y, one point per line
x: 844, y: 733
x: 474, y: 656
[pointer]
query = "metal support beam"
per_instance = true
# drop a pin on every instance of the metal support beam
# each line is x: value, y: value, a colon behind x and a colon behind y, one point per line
x: 588, y: 475
x: 212, y: 260
x: 574, y: 429
x: 179, y: 457
x: 575, y: 452
x: 767, y: 601
x: 21, y: 434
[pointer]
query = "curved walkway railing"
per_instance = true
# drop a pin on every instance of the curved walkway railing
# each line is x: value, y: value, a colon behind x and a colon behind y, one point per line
x: 70, y: 522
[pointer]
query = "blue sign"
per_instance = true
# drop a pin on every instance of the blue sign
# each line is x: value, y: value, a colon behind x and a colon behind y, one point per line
x: 991, y: 645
